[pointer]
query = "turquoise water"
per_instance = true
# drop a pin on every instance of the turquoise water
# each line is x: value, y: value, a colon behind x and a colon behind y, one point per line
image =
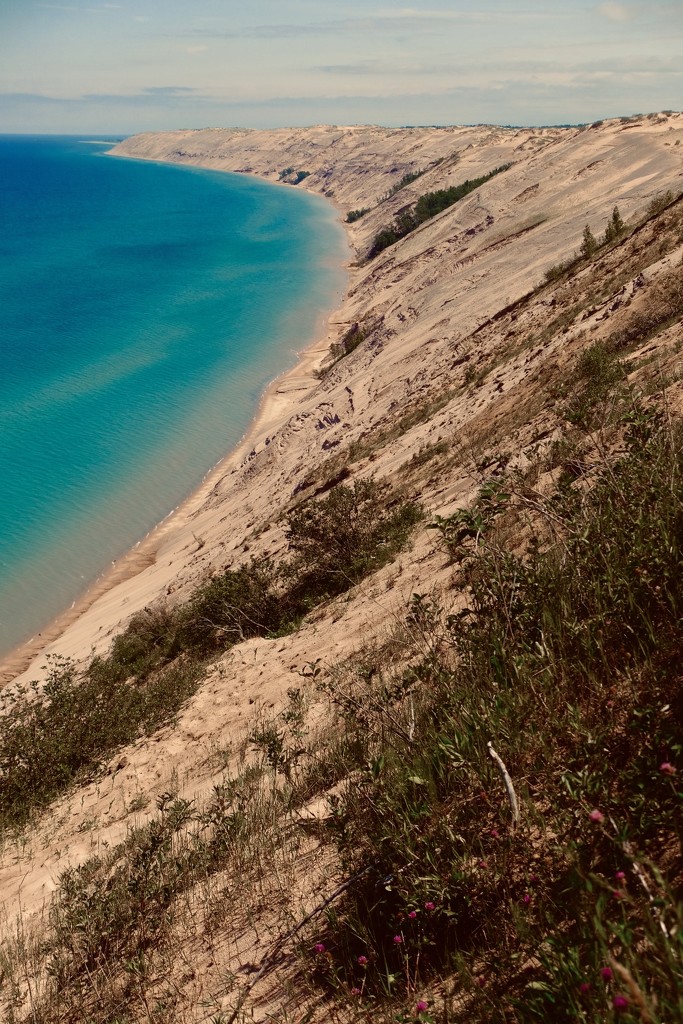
x: 144, y: 308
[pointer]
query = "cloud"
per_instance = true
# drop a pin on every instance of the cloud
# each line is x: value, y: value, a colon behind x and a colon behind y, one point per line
x: 156, y: 96
x: 404, y: 20
x: 167, y: 90
x: 615, y: 11
x: 485, y: 72
x: 392, y: 68
x: 196, y: 49
x: 71, y: 8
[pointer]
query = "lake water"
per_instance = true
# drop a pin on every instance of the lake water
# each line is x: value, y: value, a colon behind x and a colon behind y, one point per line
x: 144, y: 308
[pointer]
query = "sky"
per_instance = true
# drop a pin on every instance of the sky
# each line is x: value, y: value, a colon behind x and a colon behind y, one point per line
x: 137, y: 65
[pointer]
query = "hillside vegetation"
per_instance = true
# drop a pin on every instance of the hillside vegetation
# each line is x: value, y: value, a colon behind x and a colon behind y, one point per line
x: 404, y: 740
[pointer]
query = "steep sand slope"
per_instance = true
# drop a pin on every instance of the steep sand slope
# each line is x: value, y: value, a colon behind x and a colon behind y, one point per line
x: 444, y: 324
x: 433, y: 289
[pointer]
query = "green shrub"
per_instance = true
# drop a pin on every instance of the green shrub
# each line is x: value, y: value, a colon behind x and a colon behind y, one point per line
x: 234, y: 605
x: 598, y: 373
x: 426, y: 207
x: 292, y: 176
x: 407, y: 179
x: 354, y: 215
x: 558, y: 270
x: 338, y: 541
x: 151, y: 638
x: 660, y: 202
x: 349, y: 341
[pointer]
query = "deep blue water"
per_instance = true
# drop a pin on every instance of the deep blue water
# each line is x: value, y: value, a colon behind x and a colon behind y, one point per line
x: 143, y: 309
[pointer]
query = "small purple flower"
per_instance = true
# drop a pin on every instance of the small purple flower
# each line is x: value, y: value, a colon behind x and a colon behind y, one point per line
x: 420, y: 1006
x: 412, y: 915
x: 363, y: 960
x: 533, y: 879
x: 596, y: 816
x: 584, y: 987
x: 319, y: 947
x: 355, y: 991
x: 429, y: 905
x: 398, y: 939
x: 481, y: 981
x: 617, y: 894
x: 620, y: 1003
x: 666, y: 768
x: 620, y: 876
x: 494, y: 833
x: 606, y: 973
x: 483, y: 864
x: 526, y: 899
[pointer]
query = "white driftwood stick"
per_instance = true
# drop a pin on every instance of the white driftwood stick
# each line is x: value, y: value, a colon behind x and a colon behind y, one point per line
x: 512, y: 796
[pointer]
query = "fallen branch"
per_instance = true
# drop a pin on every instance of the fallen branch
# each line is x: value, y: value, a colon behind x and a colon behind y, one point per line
x: 512, y: 796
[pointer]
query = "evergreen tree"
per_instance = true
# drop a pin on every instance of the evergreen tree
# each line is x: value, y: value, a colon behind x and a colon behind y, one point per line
x: 617, y: 223
x: 615, y: 226
x: 589, y: 243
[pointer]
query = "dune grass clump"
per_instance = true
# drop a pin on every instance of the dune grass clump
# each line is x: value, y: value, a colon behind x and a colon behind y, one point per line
x: 114, y: 920
x: 50, y: 739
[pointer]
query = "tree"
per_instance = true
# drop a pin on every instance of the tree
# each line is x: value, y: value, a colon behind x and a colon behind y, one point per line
x: 615, y: 226
x: 589, y: 243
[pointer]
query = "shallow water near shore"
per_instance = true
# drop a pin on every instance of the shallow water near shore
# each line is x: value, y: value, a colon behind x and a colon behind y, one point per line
x: 145, y: 307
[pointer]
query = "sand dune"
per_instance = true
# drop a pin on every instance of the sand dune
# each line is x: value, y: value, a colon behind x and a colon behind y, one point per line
x: 445, y: 317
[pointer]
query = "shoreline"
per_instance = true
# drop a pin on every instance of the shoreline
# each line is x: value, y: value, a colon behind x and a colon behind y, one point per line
x: 274, y: 402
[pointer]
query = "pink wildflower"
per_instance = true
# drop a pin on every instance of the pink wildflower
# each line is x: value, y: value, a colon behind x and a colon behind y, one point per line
x: 620, y: 1003
x: 481, y: 981
x: 533, y: 879
x: 617, y: 894
x: 362, y: 960
x: 420, y: 1006
x: 666, y: 768
x: 620, y: 876
x: 584, y: 987
x: 398, y: 939
x: 596, y: 816
x: 319, y: 947
x: 355, y: 991
x: 483, y: 864
x: 412, y: 915
x: 526, y: 899
x: 606, y: 973
x: 494, y: 833
x: 429, y: 905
